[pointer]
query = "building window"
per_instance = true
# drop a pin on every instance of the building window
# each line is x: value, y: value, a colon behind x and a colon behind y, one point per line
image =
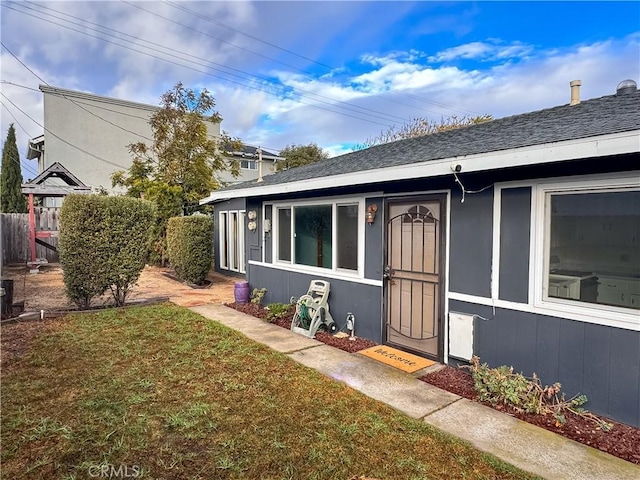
x: 347, y: 241
x: 592, y: 252
x: 284, y: 234
x: 313, y: 238
x: 248, y: 164
x: 224, y: 241
x: 325, y: 235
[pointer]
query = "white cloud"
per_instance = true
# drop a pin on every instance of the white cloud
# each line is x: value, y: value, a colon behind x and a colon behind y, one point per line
x: 357, y: 99
x: 490, y: 50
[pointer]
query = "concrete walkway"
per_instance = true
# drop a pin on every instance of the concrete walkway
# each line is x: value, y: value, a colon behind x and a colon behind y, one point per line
x: 519, y: 443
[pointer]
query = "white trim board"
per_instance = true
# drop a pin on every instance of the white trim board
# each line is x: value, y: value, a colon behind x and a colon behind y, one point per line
x: 599, y: 146
x: 318, y: 273
x: 589, y: 315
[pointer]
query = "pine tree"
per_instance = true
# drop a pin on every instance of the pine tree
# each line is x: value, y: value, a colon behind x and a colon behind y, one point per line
x: 11, y: 198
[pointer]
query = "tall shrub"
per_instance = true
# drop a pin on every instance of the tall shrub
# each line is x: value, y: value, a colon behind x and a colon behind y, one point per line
x: 189, y: 244
x: 102, y: 245
x: 128, y: 222
x: 84, y: 246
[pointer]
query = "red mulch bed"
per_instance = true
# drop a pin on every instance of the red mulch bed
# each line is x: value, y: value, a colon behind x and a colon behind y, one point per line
x: 622, y: 440
x: 345, y: 344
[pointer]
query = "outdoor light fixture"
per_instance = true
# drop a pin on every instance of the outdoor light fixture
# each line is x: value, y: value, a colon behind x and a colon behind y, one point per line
x: 371, y: 213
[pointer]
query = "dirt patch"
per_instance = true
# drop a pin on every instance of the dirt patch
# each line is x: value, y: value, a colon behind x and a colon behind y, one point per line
x: 45, y: 290
x: 623, y: 441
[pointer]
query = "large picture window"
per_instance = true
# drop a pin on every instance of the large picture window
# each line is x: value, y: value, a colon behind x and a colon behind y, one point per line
x: 323, y: 235
x: 593, y: 247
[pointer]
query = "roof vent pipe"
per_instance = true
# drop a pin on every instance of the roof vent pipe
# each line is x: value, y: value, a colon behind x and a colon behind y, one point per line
x: 575, y: 91
x: 626, y: 86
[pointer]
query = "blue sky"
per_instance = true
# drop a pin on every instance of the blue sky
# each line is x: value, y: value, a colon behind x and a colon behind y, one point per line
x: 332, y: 73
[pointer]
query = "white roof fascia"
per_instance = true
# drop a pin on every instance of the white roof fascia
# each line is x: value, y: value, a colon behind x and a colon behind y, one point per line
x: 600, y: 146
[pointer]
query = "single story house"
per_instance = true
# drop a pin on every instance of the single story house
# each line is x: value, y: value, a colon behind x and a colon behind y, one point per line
x: 516, y: 240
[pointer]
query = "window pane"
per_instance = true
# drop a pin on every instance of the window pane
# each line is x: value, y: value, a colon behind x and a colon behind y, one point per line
x: 284, y: 234
x: 347, y: 237
x: 224, y: 241
x: 233, y: 242
x: 594, y: 253
x: 313, y: 235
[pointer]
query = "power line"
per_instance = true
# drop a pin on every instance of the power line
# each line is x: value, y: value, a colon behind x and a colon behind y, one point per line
x: 215, y: 22
x: 71, y: 100
x: 207, y: 72
x: 251, y: 76
x: 62, y: 139
x: 25, y: 166
x: 214, y: 37
x: 100, y: 107
x: 209, y: 19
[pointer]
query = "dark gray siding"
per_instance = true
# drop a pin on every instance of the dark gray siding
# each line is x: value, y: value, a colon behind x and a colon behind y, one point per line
x: 600, y: 362
x: 252, y: 240
x: 373, y: 242
x: 361, y: 300
x: 471, y: 240
x: 515, y: 223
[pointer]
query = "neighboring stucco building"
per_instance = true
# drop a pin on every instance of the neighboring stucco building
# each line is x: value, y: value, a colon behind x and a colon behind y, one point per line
x: 250, y: 168
x: 89, y: 134
x: 516, y: 240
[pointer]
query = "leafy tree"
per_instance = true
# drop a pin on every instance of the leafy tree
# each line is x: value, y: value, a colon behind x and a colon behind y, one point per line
x: 298, y: 155
x: 11, y: 198
x: 180, y: 167
x: 421, y: 126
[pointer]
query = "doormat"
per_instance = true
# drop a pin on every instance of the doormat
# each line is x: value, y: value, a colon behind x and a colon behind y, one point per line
x: 397, y: 358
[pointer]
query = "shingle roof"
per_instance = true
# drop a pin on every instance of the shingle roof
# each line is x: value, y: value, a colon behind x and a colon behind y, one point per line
x: 599, y: 116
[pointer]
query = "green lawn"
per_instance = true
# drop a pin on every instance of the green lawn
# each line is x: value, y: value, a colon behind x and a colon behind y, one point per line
x: 161, y: 392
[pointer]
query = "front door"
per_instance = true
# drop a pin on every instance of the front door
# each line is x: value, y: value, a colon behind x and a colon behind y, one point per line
x: 413, y: 273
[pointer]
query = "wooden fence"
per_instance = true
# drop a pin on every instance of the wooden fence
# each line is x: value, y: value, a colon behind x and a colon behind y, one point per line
x: 14, y: 235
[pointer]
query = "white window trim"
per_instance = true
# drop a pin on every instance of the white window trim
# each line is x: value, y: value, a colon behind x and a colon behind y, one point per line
x: 233, y: 219
x: 226, y: 257
x: 592, y: 313
x: 334, y: 271
x: 242, y: 217
x: 223, y: 226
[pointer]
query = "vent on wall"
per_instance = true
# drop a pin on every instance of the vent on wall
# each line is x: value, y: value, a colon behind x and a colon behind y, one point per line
x: 460, y: 335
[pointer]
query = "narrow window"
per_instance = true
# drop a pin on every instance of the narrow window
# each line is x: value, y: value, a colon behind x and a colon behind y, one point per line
x: 284, y: 234
x: 233, y: 242
x: 347, y: 238
x: 224, y: 241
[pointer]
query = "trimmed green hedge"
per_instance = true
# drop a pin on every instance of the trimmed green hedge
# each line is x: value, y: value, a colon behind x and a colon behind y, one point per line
x: 190, y: 247
x: 103, y: 245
